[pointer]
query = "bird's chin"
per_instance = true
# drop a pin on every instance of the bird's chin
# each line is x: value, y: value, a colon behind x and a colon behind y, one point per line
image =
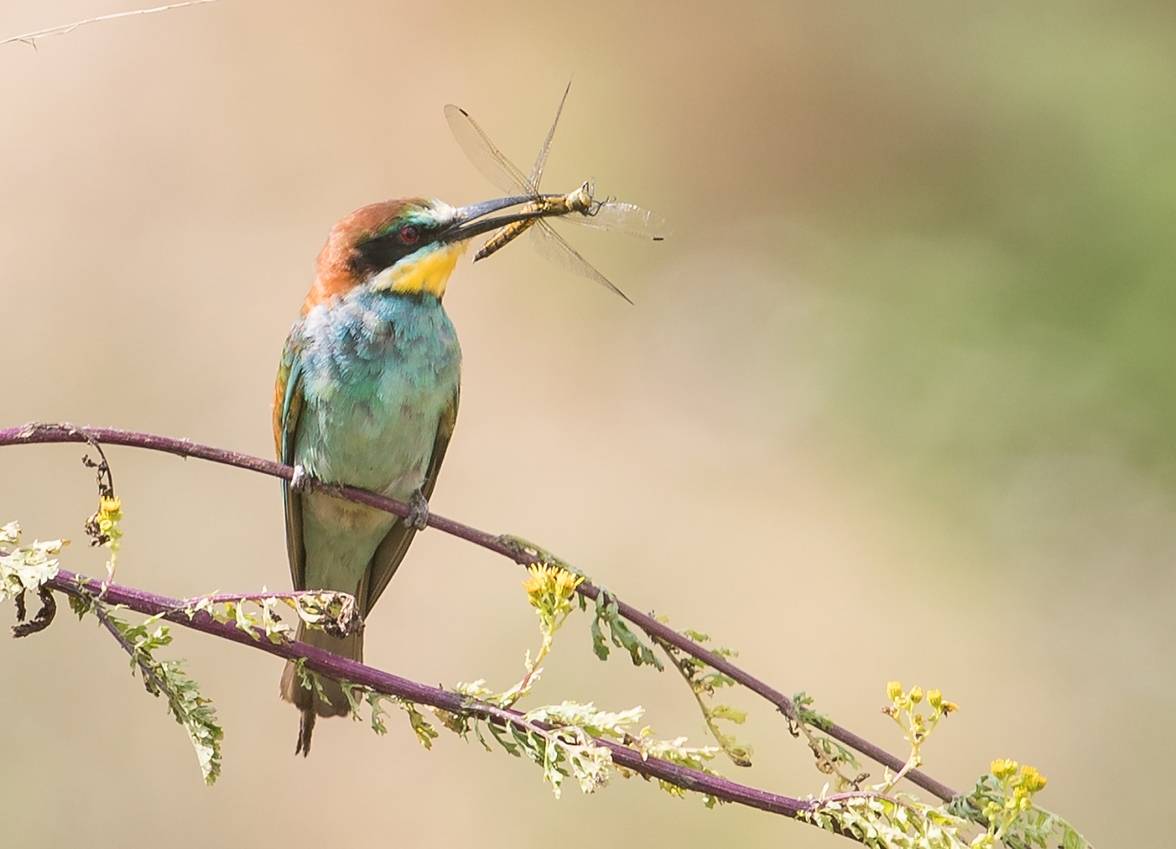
x: 426, y: 272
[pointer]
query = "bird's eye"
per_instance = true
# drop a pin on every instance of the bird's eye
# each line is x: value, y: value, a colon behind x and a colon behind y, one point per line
x: 409, y: 234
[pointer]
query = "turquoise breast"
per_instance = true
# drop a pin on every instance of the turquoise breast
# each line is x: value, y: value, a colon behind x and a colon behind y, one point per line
x: 378, y: 370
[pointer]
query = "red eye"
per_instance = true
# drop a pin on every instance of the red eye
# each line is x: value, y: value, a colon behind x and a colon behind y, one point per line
x: 409, y: 234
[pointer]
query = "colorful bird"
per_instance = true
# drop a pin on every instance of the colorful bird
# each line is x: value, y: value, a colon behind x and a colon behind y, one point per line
x: 367, y: 395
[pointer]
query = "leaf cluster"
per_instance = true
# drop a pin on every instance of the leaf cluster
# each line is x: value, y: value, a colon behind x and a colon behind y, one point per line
x: 257, y: 614
x: 563, y: 739
x: 166, y: 678
x: 607, y: 616
x: 1002, y: 802
x: 882, y: 822
x: 25, y: 567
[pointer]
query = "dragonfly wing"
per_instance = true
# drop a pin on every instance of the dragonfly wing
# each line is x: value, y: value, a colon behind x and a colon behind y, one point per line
x: 487, y: 158
x: 541, y: 159
x: 625, y: 218
x: 552, y: 246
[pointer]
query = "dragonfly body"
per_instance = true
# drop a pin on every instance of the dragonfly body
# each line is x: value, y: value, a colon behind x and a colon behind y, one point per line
x: 580, y: 201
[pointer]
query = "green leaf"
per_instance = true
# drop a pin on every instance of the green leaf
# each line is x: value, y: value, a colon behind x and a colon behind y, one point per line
x: 729, y: 713
x: 607, y: 613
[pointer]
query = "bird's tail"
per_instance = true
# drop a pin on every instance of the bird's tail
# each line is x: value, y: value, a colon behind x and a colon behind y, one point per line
x: 329, y: 701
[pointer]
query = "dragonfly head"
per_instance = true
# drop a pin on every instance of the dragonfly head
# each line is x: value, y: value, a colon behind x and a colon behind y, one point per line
x: 583, y: 199
x: 407, y: 246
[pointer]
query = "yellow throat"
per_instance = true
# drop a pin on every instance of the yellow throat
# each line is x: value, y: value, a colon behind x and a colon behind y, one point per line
x: 428, y: 273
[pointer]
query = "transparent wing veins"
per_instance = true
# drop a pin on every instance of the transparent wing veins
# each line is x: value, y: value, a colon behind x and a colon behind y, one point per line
x: 621, y: 217
x: 487, y: 158
x: 541, y: 158
x: 553, y: 247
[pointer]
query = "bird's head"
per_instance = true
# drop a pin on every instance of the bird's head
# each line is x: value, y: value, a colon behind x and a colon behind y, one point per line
x: 408, y: 246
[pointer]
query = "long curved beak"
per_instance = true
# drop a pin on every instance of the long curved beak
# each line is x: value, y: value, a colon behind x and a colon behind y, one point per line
x: 470, y: 220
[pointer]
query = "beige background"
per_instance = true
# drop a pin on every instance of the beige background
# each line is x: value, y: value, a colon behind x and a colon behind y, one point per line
x: 895, y: 401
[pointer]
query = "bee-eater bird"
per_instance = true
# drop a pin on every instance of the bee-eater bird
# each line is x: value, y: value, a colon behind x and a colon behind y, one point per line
x: 367, y: 395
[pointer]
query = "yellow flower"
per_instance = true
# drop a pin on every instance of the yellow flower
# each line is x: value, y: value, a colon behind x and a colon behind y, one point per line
x: 1031, y: 779
x: 935, y: 698
x: 1003, y: 767
x: 535, y: 581
x: 893, y: 690
x: 549, y: 588
x: 916, y: 694
x: 106, y: 520
x: 110, y: 507
x: 566, y: 583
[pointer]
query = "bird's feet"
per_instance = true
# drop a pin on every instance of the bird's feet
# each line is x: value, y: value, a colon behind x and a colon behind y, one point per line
x: 418, y: 512
x: 300, y: 480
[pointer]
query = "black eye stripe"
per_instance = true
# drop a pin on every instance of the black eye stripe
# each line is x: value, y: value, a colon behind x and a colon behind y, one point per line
x: 379, y: 252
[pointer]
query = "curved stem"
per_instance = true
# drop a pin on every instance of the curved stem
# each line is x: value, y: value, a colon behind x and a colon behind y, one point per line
x: 340, y: 668
x: 57, y: 433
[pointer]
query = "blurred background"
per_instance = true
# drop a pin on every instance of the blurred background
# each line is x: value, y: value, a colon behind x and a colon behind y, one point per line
x: 895, y: 401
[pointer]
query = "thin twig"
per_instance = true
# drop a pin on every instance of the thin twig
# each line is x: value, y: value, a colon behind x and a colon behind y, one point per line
x: 61, y: 432
x: 685, y: 670
x: 257, y: 598
x: 31, y: 38
x: 154, y: 684
x: 825, y: 763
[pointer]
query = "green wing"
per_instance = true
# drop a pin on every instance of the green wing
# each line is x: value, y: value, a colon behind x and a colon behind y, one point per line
x: 287, y: 408
x: 395, y: 545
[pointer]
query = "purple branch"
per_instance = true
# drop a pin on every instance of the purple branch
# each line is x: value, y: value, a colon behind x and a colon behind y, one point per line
x: 56, y: 433
x: 341, y: 668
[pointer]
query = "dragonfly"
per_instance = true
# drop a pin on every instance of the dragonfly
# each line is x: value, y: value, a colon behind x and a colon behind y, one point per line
x: 579, y: 206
